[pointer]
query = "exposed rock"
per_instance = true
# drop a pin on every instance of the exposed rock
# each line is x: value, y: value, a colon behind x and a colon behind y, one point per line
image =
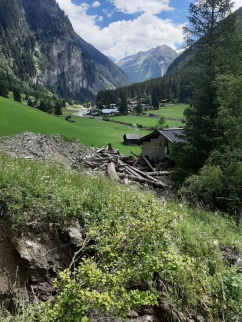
x: 133, y: 315
x: 12, y: 266
x: 74, y: 233
x: 31, y: 259
x: 232, y: 255
x: 148, y: 318
x: 149, y: 64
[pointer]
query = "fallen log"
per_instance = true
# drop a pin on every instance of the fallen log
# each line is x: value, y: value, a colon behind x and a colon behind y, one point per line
x: 137, y: 171
x: 149, y: 165
x: 157, y: 184
x: 136, y: 155
x: 141, y: 173
x: 131, y: 172
x: 111, y: 171
x: 109, y: 155
x: 109, y: 147
x: 101, y: 150
x: 158, y: 173
x: 93, y: 159
x: 87, y: 163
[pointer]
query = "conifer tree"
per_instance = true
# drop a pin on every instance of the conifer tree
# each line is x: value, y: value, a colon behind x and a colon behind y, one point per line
x: 209, y: 31
x: 123, y: 103
x: 213, y: 130
x: 17, y: 94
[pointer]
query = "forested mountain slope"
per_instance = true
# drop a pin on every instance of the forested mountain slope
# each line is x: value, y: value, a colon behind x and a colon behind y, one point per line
x: 39, y: 46
x: 181, y: 67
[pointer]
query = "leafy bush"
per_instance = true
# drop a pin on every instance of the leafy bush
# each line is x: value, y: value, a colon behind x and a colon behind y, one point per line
x: 205, y: 186
x: 217, y: 185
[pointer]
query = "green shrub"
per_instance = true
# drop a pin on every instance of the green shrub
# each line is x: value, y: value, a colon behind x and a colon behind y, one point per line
x: 205, y: 186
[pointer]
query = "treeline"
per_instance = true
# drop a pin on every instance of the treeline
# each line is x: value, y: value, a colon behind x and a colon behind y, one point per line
x: 39, y: 99
x: 48, y: 104
x: 174, y: 86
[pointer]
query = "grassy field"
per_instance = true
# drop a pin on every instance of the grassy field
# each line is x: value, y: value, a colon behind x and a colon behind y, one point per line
x: 17, y: 117
x: 175, y: 110
x: 170, y: 111
x: 145, y: 121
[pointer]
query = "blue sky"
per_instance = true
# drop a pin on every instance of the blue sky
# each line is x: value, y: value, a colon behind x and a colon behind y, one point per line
x: 120, y: 28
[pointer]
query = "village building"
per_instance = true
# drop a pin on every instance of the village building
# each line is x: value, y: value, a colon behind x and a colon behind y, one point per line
x: 165, y: 101
x: 109, y: 111
x: 156, y: 146
x: 131, y: 139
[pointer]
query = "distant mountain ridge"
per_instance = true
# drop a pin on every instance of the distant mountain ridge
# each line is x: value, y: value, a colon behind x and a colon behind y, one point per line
x: 149, y: 64
x: 38, y: 47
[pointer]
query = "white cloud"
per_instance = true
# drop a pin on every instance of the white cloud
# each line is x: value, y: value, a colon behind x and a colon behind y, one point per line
x: 96, y: 4
x: 83, y: 24
x: 99, y: 18
x: 124, y: 38
x: 134, y: 6
x: 237, y: 4
x: 108, y: 12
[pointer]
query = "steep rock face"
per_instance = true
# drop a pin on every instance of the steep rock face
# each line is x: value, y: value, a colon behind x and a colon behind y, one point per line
x: 39, y: 46
x: 61, y: 62
x: 147, y: 65
x: 68, y: 69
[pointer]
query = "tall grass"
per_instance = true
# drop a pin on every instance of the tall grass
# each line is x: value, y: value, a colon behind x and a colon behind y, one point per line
x: 173, y: 249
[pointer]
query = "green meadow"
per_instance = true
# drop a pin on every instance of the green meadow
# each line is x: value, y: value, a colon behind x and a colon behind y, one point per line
x: 18, y: 117
x: 169, y: 111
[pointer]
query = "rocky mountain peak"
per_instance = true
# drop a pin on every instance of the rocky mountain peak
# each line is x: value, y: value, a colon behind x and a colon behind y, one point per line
x: 147, y: 64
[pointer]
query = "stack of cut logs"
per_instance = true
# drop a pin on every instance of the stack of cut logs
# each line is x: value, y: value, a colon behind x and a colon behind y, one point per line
x: 119, y: 167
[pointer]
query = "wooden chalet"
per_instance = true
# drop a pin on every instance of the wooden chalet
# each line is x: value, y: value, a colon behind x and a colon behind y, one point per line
x: 131, y: 139
x: 156, y: 145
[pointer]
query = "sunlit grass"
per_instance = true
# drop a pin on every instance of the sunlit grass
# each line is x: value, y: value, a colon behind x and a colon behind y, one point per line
x: 18, y: 117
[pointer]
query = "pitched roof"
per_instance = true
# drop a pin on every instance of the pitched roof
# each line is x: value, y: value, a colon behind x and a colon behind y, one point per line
x: 172, y: 135
x: 133, y: 136
x: 109, y: 110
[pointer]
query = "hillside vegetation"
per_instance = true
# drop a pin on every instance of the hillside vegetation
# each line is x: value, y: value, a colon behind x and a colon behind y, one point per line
x: 136, y: 248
